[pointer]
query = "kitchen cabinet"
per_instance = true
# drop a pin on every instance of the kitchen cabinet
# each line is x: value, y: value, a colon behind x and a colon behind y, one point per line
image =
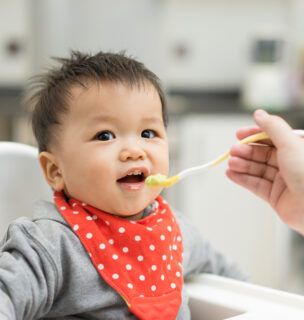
x: 15, y: 42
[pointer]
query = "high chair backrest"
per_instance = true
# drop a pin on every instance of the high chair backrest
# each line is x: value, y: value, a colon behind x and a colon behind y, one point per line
x: 21, y: 182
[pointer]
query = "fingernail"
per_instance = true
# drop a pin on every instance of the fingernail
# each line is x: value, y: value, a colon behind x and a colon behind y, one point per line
x: 261, y: 113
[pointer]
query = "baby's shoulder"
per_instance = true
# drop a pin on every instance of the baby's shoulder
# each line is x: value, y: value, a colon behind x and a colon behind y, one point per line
x: 45, y: 227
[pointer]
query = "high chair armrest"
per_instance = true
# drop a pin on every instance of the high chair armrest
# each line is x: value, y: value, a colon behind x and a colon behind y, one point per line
x: 213, y: 297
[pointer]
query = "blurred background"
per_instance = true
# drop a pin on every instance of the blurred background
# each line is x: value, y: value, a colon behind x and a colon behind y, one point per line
x: 218, y: 60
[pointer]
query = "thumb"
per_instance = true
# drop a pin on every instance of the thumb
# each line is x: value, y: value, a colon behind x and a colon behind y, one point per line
x: 278, y: 130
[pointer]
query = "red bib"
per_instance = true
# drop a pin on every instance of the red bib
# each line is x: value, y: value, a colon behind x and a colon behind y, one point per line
x: 141, y: 260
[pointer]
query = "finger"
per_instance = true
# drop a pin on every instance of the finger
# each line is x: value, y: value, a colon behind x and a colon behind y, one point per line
x: 278, y: 129
x: 257, y: 153
x: 247, y: 131
x: 256, y: 169
x: 260, y: 187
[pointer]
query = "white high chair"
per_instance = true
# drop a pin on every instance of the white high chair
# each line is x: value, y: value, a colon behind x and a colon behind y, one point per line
x: 22, y: 182
x: 210, y: 297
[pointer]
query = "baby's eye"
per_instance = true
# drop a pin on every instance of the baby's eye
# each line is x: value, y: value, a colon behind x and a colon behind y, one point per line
x: 104, y: 135
x: 148, y: 134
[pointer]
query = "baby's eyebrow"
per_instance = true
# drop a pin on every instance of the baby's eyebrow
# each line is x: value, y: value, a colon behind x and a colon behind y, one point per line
x: 153, y: 119
x: 108, y: 118
x: 101, y: 118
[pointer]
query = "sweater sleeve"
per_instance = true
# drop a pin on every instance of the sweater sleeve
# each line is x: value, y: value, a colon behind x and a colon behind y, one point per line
x: 201, y: 257
x: 29, y: 278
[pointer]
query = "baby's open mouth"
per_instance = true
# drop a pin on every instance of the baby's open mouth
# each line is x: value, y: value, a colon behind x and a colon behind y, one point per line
x: 133, y: 177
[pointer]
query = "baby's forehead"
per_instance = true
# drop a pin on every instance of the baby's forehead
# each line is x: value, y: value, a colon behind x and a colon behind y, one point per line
x: 93, y: 95
x: 99, y: 89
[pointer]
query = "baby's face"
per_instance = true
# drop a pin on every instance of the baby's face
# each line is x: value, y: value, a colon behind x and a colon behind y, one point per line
x: 112, y: 138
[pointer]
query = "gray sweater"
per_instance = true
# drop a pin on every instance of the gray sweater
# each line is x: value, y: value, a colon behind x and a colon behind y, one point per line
x: 45, y: 273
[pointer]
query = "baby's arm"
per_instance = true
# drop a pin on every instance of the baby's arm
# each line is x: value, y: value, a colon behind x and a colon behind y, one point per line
x: 28, y: 277
x: 200, y: 257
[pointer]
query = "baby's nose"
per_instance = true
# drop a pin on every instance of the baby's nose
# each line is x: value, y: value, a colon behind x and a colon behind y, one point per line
x: 132, y: 153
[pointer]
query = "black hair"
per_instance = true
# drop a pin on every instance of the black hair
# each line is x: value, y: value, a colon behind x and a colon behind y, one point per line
x: 50, y: 91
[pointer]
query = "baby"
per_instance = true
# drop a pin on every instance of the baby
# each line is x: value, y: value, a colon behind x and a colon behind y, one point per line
x: 109, y: 247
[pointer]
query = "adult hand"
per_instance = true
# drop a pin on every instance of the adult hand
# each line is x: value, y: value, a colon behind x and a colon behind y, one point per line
x: 275, y: 171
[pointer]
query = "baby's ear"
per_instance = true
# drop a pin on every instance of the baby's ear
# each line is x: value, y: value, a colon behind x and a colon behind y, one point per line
x: 51, y: 170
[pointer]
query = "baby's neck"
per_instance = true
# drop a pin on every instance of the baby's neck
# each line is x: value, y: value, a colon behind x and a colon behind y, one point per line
x: 135, y: 217
x: 147, y: 211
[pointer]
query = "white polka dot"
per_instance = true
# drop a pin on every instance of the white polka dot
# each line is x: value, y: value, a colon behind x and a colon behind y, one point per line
x: 75, y: 227
x: 162, y: 277
x: 121, y: 230
x: 107, y: 222
x: 102, y: 246
x: 140, y: 258
x: 141, y: 295
x: 142, y: 277
x: 137, y: 238
x: 115, y: 276
x: 89, y: 235
x: 153, y: 288
x: 174, y: 247
x: 170, y: 247
x: 100, y: 266
x: 94, y: 217
x: 128, y: 267
x: 89, y: 218
x: 114, y: 256
x: 74, y: 204
x: 83, y: 204
x: 159, y: 220
x: 75, y: 212
x: 164, y: 257
x: 152, y: 247
x: 173, y: 285
x: 111, y: 241
x: 169, y: 228
x: 125, y: 249
x: 178, y: 274
x: 90, y: 254
x: 153, y: 267
x: 162, y: 237
x: 179, y: 238
x: 130, y: 285
x: 63, y: 208
x: 169, y: 266
x: 163, y: 211
x: 149, y: 229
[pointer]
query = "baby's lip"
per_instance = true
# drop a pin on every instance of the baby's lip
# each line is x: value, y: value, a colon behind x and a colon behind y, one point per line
x: 143, y: 170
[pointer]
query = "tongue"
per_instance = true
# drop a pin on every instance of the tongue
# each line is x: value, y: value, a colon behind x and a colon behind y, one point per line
x: 131, y: 179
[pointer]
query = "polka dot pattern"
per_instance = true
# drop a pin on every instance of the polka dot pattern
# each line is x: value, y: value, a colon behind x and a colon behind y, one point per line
x: 139, y: 259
